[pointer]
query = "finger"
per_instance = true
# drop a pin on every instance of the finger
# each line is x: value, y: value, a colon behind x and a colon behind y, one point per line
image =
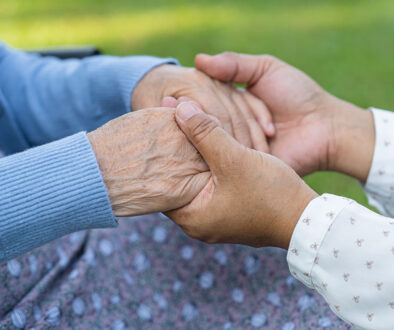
x: 191, y: 188
x: 262, y: 114
x: 188, y: 99
x: 234, y: 67
x: 238, y: 120
x: 213, y: 106
x: 259, y: 141
x: 226, y: 125
x: 205, y: 133
x: 169, y: 102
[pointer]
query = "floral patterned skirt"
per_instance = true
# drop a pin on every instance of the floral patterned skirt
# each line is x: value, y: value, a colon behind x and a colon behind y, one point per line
x: 147, y: 274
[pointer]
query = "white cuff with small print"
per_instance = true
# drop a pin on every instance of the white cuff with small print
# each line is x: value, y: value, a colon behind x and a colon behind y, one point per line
x: 309, y: 234
x: 380, y: 183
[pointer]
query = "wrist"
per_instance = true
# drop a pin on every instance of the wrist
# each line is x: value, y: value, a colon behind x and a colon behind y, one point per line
x: 113, y: 182
x: 150, y: 90
x: 353, y: 140
x: 301, y: 199
x: 94, y: 140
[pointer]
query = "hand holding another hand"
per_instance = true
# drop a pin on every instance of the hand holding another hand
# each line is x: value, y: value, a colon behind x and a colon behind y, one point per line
x: 251, y: 198
x: 147, y: 163
x: 314, y: 129
x: 242, y: 114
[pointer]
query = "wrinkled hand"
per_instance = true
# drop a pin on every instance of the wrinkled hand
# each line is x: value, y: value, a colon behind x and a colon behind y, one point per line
x: 313, y: 128
x: 147, y: 163
x: 251, y: 198
x: 241, y: 114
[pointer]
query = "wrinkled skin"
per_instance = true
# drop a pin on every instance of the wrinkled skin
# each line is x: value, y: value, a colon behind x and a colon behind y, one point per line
x: 147, y: 163
x: 252, y: 198
x: 243, y: 115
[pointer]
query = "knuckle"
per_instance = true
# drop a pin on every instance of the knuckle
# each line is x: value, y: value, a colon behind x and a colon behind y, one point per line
x: 268, y: 58
x: 270, y: 61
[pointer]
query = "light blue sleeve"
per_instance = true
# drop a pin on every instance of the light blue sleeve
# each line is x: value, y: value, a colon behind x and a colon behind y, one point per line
x: 43, y: 99
x: 50, y: 191
x: 55, y: 189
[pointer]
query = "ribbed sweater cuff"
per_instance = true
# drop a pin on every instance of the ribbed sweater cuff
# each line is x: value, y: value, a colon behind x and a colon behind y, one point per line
x: 50, y: 191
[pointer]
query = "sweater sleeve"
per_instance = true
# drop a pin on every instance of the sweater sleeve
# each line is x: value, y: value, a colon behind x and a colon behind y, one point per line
x: 50, y: 191
x: 43, y: 99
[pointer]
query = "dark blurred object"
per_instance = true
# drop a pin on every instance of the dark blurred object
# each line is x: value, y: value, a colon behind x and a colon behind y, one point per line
x: 67, y: 52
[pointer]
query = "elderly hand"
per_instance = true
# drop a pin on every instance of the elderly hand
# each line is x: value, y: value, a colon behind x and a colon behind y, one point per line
x: 314, y: 130
x: 147, y: 163
x: 252, y: 198
x: 241, y: 114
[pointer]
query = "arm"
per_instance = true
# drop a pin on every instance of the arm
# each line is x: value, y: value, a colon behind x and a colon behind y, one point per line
x: 337, y: 247
x: 44, y: 99
x: 83, y: 181
x: 340, y: 248
x: 50, y: 191
x: 344, y: 251
x: 364, y: 149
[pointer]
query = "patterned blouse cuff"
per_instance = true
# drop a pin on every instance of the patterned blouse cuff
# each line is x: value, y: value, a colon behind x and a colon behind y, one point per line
x: 309, y: 233
x: 380, y: 183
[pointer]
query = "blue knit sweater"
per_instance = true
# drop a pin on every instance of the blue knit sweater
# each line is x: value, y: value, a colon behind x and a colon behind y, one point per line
x: 56, y: 187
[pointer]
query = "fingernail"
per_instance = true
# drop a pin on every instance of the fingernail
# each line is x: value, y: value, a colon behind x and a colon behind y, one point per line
x: 186, y: 110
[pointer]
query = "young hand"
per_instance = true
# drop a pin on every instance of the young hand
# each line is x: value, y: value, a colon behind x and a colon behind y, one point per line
x: 314, y: 130
x: 251, y: 197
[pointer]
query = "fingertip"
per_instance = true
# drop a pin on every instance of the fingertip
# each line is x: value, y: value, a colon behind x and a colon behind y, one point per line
x: 269, y: 129
x: 186, y: 110
x: 201, y: 59
x: 262, y: 114
x: 169, y: 102
x: 188, y: 99
x: 208, y: 64
x: 203, y: 55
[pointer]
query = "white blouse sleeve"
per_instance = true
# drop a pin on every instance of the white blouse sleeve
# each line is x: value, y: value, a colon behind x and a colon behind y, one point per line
x: 379, y: 187
x: 346, y: 252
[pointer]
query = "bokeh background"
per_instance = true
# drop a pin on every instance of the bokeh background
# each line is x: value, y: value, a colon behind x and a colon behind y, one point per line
x: 346, y: 45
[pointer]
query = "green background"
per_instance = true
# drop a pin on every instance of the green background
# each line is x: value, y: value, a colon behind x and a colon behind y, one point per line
x: 346, y: 45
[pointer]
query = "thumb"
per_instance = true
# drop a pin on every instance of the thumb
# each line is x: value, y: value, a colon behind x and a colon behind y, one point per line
x: 205, y: 133
x: 234, y: 67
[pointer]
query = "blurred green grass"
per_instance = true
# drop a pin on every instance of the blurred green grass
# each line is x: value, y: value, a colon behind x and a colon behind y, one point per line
x: 346, y: 45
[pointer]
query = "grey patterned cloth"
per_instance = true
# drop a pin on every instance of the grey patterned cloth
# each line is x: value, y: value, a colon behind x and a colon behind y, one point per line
x: 147, y: 274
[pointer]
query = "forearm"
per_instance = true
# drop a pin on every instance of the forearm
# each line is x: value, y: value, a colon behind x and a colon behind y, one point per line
x: 48, y: 98
x: 364, y: 143
x: 50, y: 191
x: 352, y: 145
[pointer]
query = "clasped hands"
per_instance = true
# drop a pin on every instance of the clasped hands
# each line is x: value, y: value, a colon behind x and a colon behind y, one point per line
x: 225, y: 168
